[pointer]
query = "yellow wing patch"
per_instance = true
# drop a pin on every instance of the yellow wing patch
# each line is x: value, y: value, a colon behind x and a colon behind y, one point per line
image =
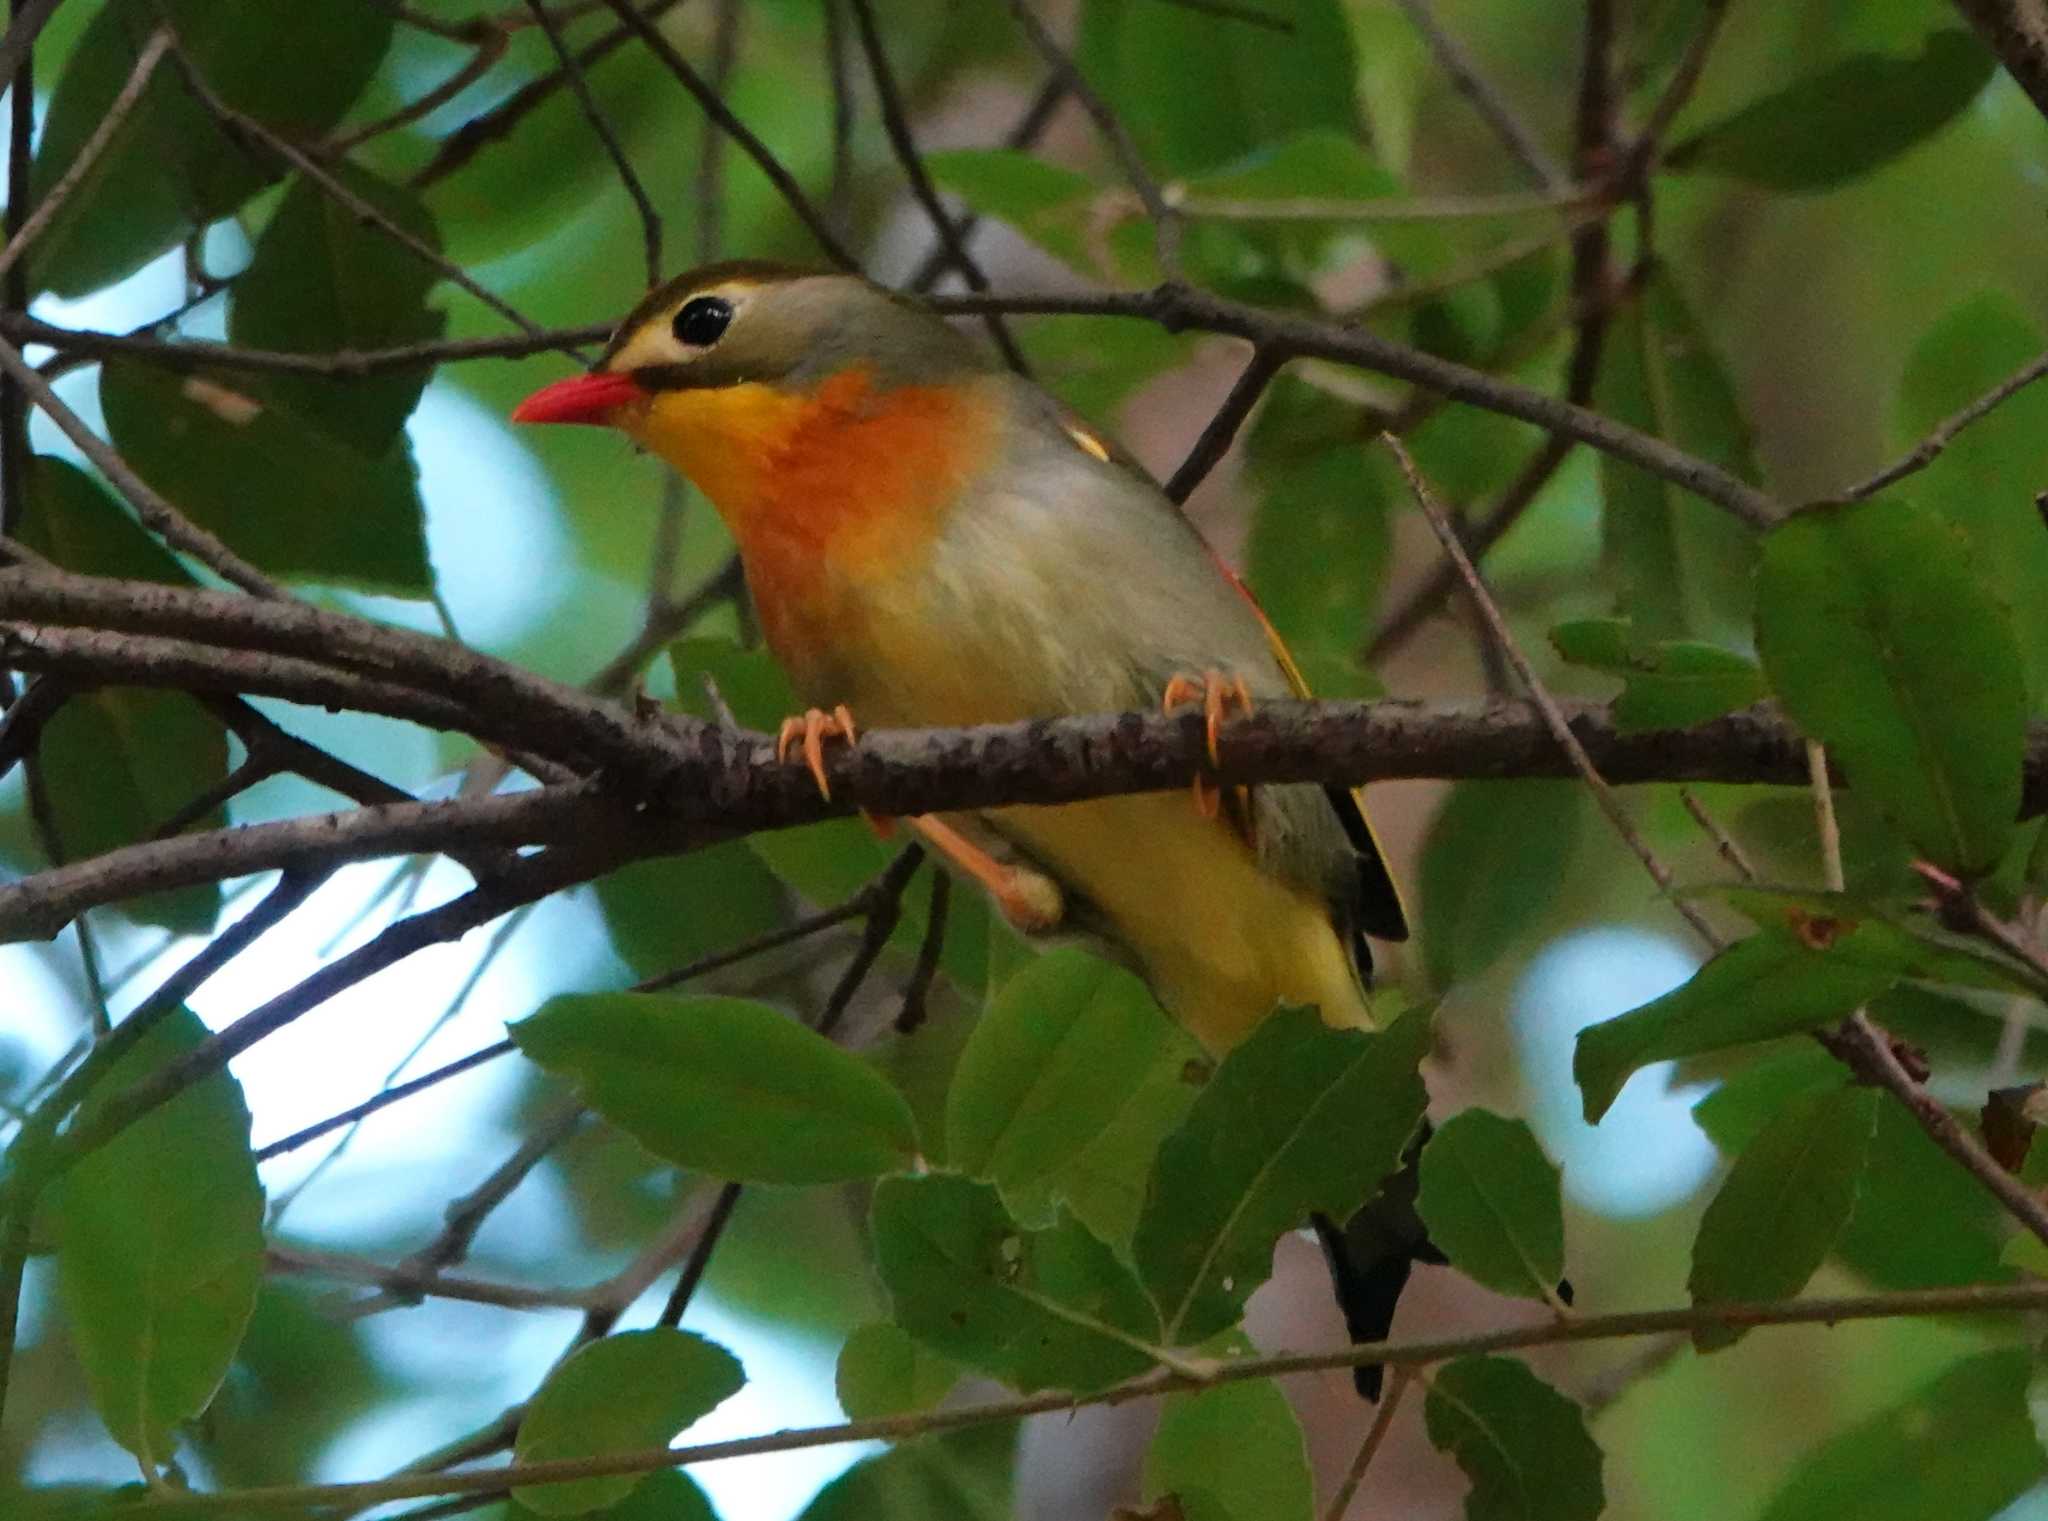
x: 1088, y: 442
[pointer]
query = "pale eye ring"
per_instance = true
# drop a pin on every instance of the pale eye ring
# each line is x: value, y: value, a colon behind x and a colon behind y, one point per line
x: 701, y: 321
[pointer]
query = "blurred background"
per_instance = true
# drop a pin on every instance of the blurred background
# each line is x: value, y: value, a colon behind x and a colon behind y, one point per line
x: 1844, y: 317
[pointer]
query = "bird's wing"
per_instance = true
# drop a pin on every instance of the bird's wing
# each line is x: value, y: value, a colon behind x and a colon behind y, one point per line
x: 1381, y: 912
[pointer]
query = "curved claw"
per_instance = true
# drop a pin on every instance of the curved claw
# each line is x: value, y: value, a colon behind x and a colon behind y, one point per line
x: 813, y: 728
x: 1218, y: 692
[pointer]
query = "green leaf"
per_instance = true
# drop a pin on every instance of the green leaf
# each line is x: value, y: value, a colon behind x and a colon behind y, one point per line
x: 1845, y: 121
x: 1680, y: 564
x: 668, y: 1494
x: 1782, y: 1207
x: 1523, y: 1446
x: 1050, y: 1065
x: 301, y: 1376
x: 1960, y: 1447
x: 1196, y: 91
x: 1980, y: 481
x: 724, y: 1086
x: 1050, y: 1309
x: 1300, y: 1118
x: 1904, y: 932
x: 667, y: 911
x: 120, y: 761
x: 883, y: 1371
x: 1774, y: 983
x: 160, y: 1247
x: 1491, y: 863
x: 1920, y: 1220
x: 1880, y: 635
x: 960, y: 1476
x: 1065, y: 213
x: 1239, y: 1444
x: 1319, y: 164
x: 1670, y: 683
x: 1104, y: 1182
x: 284, y: 494
x: 633, y: 1390
x: 1491, y: 1200
x: 169, y: 169
x: 320, y: 281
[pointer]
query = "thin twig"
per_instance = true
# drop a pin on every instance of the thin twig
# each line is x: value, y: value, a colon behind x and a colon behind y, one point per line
x: 1382, y: 1422
x: 1166, y: 216
x: 157, y: 514
x: 488, y: 48
x: 1684, y: 80
x: 25, y: 23
x: 839, y: 79
x: 383, y: 1099
x: 15, y: 461
x: 1929, y: 449
x: 699, y: 1260
x: 1724, y: 842
x: 749, y: 143
x: 1826, y: 829
x: 1553, y: 715
x: 572, y: 70
x: 710, y: 188
x: 896, y: 125
x: 1452, y: 58
x: 466, y: 1214
x: 1976, y: 1299
x: 1435, y: 208
x: 1178, y: 308
x: 243, y: 127
x: 88, y: 155
x: 1221, y: 430
x: 466, y: 141
x: 1029, y: 128
x: 910, y: 1014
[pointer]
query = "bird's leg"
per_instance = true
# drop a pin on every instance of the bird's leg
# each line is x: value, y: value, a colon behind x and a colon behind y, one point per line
x: 1031, y: 901
x: 813, y: 728
x: 1217, y: 692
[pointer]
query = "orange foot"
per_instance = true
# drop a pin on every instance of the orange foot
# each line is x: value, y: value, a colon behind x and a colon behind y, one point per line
x: 814, y: 727
x: 1217, y: 693
x: 1031, y: 901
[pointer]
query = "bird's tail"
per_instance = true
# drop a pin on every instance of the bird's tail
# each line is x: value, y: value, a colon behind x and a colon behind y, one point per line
x: 1371, y: 1255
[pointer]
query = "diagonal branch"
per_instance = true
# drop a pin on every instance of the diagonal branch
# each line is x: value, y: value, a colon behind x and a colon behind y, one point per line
x: 896, y: 124
x: 748, y: 142
x: 600, y: 124
x: 1976, y: 1299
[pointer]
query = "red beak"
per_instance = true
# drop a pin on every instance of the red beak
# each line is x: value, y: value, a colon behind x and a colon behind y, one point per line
x: 579, y: 399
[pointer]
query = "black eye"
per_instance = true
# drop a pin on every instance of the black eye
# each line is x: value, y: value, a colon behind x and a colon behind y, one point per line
x: 702, y: 321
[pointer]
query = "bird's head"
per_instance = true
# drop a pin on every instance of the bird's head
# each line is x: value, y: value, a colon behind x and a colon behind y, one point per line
x: 718, y: 369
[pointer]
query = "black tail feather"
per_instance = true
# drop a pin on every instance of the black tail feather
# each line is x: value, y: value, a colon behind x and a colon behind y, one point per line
x: 1371, y: 1255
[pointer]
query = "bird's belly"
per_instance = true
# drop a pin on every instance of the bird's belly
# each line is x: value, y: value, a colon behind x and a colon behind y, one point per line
x: 1220, y: 941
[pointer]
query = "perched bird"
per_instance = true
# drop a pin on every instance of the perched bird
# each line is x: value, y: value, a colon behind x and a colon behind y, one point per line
x: 931, y: 540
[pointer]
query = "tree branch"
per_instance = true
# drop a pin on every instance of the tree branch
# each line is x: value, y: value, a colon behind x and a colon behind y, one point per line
x: 2017, y: 31
x: 1179, y: 308
x: 1983, y: 1299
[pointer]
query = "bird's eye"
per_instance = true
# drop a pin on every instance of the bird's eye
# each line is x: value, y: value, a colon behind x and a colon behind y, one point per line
x: 702, y: 321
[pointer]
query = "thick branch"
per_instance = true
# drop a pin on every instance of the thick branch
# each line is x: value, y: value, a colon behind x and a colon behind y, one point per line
x: 698, y: 784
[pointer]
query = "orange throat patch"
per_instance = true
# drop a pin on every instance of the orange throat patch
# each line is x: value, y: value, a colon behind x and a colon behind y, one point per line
x: 829, y: 493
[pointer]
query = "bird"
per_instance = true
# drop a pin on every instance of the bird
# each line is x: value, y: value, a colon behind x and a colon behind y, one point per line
x: 930, y: 539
